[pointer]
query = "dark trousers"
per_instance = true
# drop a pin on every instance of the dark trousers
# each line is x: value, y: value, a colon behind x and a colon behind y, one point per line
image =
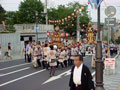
x: 45, y: 64
x: 25, y: 57
x: 65, y: 63
x: 29, y: 58
x: 52, y: 70
x: 78, y: 88
x: 70, y: 62
x: 38, y: 62
x: 61, y: 63
x: 83, y: 54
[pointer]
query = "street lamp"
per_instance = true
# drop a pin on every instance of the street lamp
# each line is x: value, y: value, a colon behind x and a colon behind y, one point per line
x: 36, y: 26
x: 99, y: 61
x: 78, y: 11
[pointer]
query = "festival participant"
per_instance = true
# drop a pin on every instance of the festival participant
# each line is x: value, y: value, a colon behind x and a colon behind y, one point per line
x: 52, y: 60
x: 40, y: 51
x: 62, y: 57
x: 66, y: 56
x: 46, y: 50
x: 34, y: 53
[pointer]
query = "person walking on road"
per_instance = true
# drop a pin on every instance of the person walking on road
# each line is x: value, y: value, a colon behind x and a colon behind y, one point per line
x: 9, y: 50
x: 52, y: 60
x: 28, y: 51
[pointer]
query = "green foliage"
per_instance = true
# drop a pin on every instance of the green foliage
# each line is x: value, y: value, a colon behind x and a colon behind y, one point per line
x: 28, y: 9
x: 66, y: 10
x: 10, y: 28
x: 2, y: 14
x: 117, y: 40
x: 27, y: 14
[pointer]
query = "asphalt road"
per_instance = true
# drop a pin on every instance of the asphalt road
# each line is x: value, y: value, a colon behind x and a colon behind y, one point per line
x: 18, y: 75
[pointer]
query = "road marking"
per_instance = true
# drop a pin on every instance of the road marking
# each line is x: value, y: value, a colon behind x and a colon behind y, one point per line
x: 56, y: 77
x: 10, y: 60
x: 60, y: 76
x: 6, y: 83
x: 14, y: 71
x: 14, y: 66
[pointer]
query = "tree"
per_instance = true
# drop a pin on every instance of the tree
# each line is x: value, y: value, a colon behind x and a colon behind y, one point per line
x: 2, y: 14
x: 118, y: 40
x: 63, y: 11
x: 28, y: 9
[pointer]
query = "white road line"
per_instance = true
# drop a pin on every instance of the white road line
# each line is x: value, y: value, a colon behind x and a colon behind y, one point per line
x: 57, y: 77
x: 10, y: 60
x: 6, y: 83
x: 14, y: 66
x: 15, y: 71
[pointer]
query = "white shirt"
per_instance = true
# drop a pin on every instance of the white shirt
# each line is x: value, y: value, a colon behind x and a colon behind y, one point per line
x: 46, y: 50
x: 77, y: 75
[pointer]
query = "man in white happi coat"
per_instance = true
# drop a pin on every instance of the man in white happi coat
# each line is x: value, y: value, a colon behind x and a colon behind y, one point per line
x: 66, y: 56
x: 46, y: 50
x: 73, y: 52
x: 62, y: 57
x: 52, y: 60
x: 34, y: 52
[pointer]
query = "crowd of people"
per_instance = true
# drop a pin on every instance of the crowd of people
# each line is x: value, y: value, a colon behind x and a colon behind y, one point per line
x: 50, y: 56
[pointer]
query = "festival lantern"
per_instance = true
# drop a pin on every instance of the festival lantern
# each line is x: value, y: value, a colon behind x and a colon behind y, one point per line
x: 62, y: 20
x: 66, y: 34
x: 88, y: 2
x: 73, y: 14
x: 82, y: 8
x: 77, y: 11
x: 59, y: 21
x: 48, y: 34
x: 83, y: 25
x: 82, y: 30
x: 65, y: 19
x: 69, y: 17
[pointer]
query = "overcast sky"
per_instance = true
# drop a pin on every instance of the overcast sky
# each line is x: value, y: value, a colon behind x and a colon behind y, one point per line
x: 12, y: 5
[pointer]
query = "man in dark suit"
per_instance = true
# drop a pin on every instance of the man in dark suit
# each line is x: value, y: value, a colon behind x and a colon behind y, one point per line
x: 80, y: 78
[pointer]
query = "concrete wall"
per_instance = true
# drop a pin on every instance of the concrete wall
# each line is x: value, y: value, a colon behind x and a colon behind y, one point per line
x: 16, y: 44
x: 30, y: 27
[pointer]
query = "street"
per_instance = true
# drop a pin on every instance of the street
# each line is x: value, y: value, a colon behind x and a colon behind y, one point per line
x: 18, y: 75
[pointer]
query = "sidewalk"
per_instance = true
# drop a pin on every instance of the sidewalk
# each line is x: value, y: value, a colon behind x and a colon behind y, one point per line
x: 112, y: 82
x: 15, y: 57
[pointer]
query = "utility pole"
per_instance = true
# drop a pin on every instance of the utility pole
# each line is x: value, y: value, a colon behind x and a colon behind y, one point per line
x: 99, y: 61
x: 36, y: 26
x: 78, y: 28
x: 46, y: 4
